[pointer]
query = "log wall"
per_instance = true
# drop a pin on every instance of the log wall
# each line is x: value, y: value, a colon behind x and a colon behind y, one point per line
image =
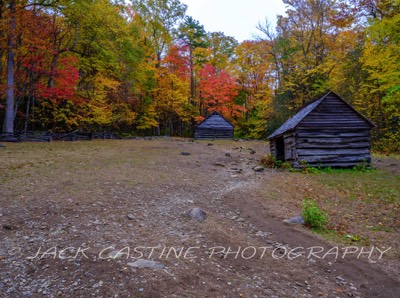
x: 333, y: 134
x: 214, y: 127
x: 210, y: 133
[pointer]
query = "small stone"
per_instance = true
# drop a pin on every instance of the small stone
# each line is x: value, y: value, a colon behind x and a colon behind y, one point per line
x: 197, y: 214
x: 258, y: 169
x: 295, y: 220
x: 353, y: 288
x: 227, y: 154
x: 263, y: 234
x: 210, y: 144
x: 130, y: 216
x: 141, y: 263
x: 299, y: 284
x: 186, y: 153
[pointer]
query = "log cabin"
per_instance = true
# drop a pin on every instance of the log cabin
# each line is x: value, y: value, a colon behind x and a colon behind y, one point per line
x: 214, y: 127
x: 327, y: 132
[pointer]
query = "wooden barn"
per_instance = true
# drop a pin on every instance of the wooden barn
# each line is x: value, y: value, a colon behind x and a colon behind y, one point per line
x: 214, y: 127
x: 327, y: 132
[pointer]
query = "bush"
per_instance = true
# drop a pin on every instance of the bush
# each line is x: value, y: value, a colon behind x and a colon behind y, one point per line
x: 362, y: 167
x: 286, y: 166
x: 268, y: 161
x: 313, y: 216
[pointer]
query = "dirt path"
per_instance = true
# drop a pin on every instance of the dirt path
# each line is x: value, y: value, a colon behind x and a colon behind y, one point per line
x: 369, y: 280
x: 245, y: 196
x: 131, y: 197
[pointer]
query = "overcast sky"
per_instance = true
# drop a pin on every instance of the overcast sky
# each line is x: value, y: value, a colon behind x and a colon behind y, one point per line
x: 237, y: 18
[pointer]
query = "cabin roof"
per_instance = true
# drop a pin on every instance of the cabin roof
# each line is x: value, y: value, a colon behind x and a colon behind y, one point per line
x: 304, y: 112
x: 215, y: 120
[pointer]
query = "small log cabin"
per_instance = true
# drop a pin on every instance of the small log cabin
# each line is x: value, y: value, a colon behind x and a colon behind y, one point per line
x: 214, y: 127
x: 327, y: 132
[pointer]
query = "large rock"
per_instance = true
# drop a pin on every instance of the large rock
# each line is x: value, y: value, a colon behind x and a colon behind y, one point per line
x: 197, y: 214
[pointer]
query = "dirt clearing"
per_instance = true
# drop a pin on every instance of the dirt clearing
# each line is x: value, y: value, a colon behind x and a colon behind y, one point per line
x: 82, y: 218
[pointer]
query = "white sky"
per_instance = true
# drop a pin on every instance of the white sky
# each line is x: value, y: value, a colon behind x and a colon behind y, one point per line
x: 237, y: 18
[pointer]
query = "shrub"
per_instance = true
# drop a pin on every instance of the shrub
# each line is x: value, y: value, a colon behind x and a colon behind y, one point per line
x: 313, y: 216
x: 362, y: 167
x: 268, y: 161
x: 306, y: 168
x: 286, y: 166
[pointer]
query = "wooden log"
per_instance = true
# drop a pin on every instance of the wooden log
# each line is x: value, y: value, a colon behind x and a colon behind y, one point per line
x: 335, y: 158
x: 343, y: 126
x: 332, y: 135
x: 338, y: 145
x: 332, y: 151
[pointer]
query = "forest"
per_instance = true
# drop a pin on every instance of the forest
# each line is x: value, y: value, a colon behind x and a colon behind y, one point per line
x: 145, y: 67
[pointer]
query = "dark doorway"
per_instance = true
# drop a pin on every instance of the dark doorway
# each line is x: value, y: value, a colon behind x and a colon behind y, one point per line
x: 280, y: 149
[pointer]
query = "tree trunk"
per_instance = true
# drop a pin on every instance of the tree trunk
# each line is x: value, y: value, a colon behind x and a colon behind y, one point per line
x: 10, y: 102
x: 192, y: 79
x: 53, y: 66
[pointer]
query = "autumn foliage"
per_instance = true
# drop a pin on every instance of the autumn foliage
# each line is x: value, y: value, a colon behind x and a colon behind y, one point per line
x: 217, y: 91
x: 146, y: 67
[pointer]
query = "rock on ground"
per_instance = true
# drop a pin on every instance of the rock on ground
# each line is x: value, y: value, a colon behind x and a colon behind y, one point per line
x: 197, y: 214
x: 258, y: 169
x: 141, y: 263
x: 295, y: 220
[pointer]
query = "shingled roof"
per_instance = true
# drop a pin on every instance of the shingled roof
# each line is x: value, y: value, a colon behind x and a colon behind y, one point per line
x: 300, y: 115
x: 215, y: 120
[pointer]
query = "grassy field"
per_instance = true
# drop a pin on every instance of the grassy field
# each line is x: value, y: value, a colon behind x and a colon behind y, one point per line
x: 363, y: 204
x: 367, y: 204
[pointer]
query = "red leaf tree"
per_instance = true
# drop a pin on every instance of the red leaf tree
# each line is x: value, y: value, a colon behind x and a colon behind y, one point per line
x: 217, y: 91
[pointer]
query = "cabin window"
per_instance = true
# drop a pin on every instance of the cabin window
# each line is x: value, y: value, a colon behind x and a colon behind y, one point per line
x: 280, y: 149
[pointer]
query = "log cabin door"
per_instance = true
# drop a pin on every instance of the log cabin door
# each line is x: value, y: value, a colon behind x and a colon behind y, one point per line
x: 280, y: 149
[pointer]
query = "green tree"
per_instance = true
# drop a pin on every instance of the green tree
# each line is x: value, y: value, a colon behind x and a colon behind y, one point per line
x: 160, y: 19
x: 193, y: 35
x: 222, y: 50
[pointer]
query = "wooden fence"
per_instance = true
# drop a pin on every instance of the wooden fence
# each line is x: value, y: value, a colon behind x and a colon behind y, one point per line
x: 37, y: 136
